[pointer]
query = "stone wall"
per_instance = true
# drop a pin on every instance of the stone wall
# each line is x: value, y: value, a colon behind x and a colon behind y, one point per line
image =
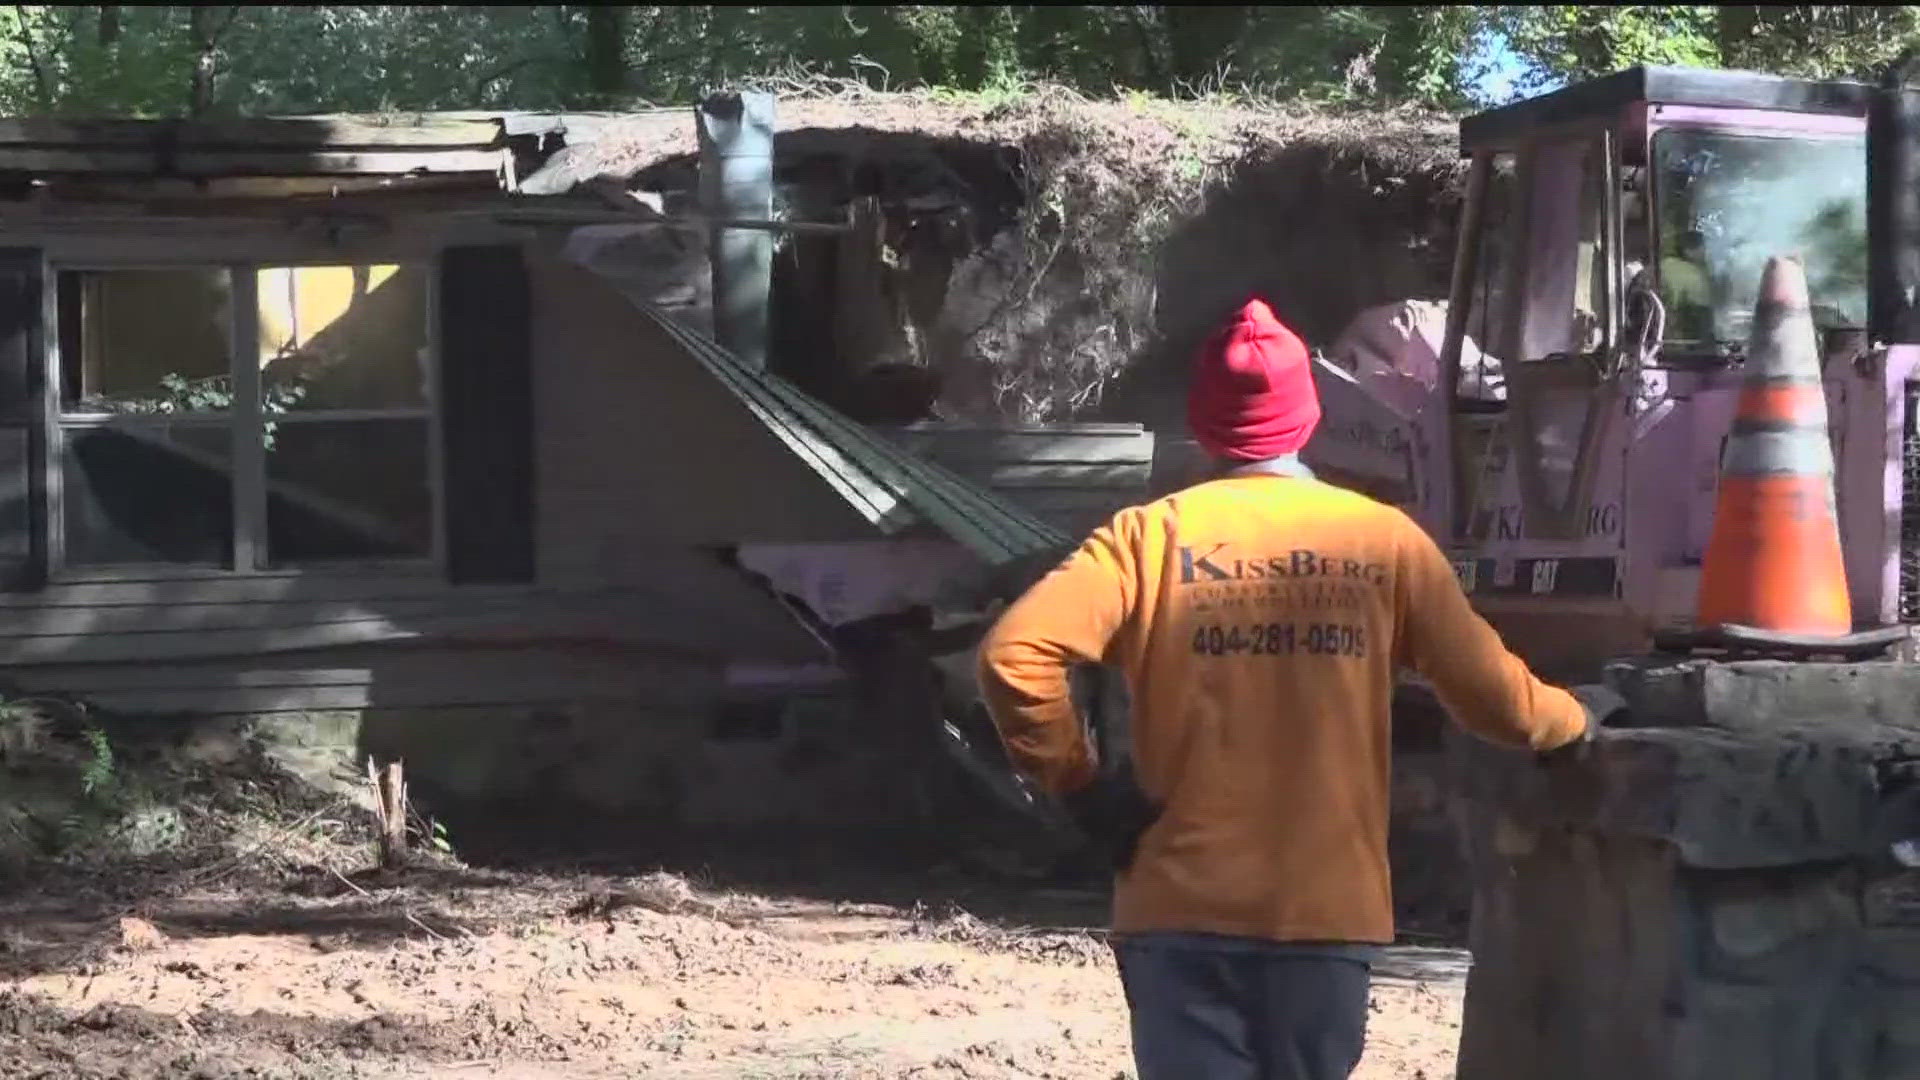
x: 1713, y: 892
x: 1605, y: 957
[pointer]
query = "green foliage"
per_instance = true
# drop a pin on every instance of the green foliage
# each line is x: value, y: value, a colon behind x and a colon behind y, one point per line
x: 97, y: 775
x: 1821, y: 42
x: 214, y: 393
x: 1569, y: 42
x: 1825, y: 42
x: 141, y: 61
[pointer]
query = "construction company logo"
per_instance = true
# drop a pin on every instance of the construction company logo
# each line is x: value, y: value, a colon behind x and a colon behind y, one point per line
x: 1508, y: 521
x: 1216, y: 577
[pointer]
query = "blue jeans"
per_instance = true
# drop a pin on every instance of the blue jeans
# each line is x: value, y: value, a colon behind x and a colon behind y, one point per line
x: 1206, y: 1007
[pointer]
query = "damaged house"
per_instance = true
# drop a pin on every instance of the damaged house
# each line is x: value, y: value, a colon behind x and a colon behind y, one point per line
x: 381, y: 432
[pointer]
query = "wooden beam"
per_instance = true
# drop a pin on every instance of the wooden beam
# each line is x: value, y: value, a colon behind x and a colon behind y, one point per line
x: 571, y: 216
x: 382, y: 693
x: 318, y: 133
x: 331, y: 162
x: 230, y: 588
x: 247, y: 163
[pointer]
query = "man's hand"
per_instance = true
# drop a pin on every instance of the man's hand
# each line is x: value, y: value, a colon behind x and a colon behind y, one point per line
x: 1602, y: 704
x: 1113, y: 813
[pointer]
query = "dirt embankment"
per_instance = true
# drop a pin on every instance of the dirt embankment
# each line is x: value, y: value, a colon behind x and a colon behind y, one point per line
x: 1052, y: 257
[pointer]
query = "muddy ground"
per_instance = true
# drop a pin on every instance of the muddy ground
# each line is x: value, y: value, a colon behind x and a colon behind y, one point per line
x: 252, y: 937
x: 452, y: 971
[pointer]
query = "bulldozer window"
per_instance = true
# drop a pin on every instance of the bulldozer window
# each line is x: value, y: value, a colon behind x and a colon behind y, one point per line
x: 1490, y: 298
x: 1565, y: 279
x: 1725, y: 201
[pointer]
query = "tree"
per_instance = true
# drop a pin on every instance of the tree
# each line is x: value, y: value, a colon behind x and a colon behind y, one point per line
x: 606, y: 51
x: 1565, y: 42
x: 1835, y: 42
x: 1820, y: 42
x: 186, y: 61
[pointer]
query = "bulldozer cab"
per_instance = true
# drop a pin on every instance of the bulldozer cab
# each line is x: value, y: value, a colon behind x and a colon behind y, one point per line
x: 1613, y: 232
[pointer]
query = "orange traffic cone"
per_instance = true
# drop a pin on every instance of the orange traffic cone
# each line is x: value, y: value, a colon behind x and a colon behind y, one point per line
x: 1774, y: 562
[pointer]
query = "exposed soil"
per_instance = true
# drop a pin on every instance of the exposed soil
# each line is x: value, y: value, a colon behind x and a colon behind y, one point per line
x: 448, y: 971
x: 1045, y: 256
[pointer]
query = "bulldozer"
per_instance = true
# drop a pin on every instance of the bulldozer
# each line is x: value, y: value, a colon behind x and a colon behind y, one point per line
x: 1557, y: 424
x: 1562, y: 442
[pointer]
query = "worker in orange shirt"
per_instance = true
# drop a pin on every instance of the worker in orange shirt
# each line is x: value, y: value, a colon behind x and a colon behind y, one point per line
x: 1259, y: 618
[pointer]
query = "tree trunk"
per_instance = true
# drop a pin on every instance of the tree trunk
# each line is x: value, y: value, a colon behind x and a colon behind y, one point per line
x: 1049, y: 29
x: 1734, y: 27
x: 606, y: 52
x: 1201, y: 41
x: 200, y: 93
x: 109, y: 34
x: 1150, y: 72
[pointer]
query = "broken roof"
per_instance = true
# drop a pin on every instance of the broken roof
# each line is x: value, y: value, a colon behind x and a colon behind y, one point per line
x: 600, y: 146
x: 213, y: 149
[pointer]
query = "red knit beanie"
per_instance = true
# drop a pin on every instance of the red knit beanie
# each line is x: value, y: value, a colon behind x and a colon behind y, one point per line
x: 1252, y: 396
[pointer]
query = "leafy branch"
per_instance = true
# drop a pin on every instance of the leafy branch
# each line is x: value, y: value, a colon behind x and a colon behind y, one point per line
x: 214, y: 393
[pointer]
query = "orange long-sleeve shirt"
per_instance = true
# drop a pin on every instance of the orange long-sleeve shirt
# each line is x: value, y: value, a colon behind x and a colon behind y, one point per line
x: 1259, y: 620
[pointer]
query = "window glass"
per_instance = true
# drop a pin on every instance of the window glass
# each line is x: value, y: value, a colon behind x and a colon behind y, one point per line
x: 1726, y: 202
x: 145, y: 342
x: 343, y: 381
x: 1566, y: 281
x: 147, y: 493
x: 348, y: 489
x: 342, y: 337
x: 1490, y: 310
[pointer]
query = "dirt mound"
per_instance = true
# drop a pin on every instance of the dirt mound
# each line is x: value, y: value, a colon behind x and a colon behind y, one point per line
x: 1039, y: 249
x: 93, y: 805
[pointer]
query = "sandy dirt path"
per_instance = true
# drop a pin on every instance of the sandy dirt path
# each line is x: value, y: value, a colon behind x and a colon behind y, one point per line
x: 530, y: 976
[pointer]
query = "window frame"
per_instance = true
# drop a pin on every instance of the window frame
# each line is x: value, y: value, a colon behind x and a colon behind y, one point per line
x: 245, y: 424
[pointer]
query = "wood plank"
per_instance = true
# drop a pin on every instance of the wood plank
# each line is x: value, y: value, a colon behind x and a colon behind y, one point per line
x: 214, y: 701
x: 292, y: 133
x: 166, y: 646
x: 1070, y: 428
x: 385, y: 678
x: 367, y: 666
x: 528, y: 619
x: 315, y: 587
x: 123, y: 162
x: 233, y: 163
x: 83, y: 680
x: 156, y: 646
x: 1123, y: 477
x: 954, y: 448
x: 184, y: 618
x: 528, y: 624
x: 329, y: 162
